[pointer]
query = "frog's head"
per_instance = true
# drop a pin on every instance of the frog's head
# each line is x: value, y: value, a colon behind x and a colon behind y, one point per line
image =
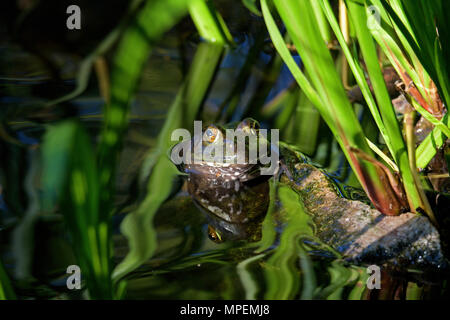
x: 223, y: 174
x: 222, y: 153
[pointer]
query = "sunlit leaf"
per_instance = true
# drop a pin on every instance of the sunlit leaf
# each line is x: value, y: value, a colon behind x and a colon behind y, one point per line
x: 70, y: 179
x: 6, y: 290
x: 137, y: 226
x: 252, y: 6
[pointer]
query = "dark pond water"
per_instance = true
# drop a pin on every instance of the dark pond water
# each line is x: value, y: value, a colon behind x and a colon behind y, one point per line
x: 186, y: 264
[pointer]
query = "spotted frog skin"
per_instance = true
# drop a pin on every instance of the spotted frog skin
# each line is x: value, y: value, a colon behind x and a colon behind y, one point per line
x: 235, y: 193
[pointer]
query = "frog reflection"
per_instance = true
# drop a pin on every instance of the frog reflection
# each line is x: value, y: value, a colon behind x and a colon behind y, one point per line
x: 220, y: 230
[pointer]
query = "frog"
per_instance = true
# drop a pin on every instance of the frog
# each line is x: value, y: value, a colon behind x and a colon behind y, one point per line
x: 233, y: 195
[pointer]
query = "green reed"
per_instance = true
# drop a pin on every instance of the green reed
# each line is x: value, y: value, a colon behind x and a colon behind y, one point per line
x: 6, y: 290
x: 321, y: 84
x: 324, y: 88
x: 423, y: 33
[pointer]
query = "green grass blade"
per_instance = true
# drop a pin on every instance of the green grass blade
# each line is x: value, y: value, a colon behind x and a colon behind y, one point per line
x: 324, y: 27
x: 209, y: 22
x: 268, y: 226
x: 283, y: 51
x: 6, y: 290
x: 357, y: 12
x: 251, y: 5
x: 427, y: 149
x: 152, y: 21
x: 360, y: 285
x: 427, y: 24
x: 395, y: 54
x: 333, y: 103
x: 437, y: 123
x: 404, y: 31
x: 358, y: 72
x: 67, y: 148
x: 339, y: 276
x: 301, y: 125
x: 383, y: 36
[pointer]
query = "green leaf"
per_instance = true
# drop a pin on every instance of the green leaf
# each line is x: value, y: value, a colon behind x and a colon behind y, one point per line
x: 359, y: 284
x: 429, y: 146
x: 70, y: 178
x: 6, y: 290
x: 137, y: 226
x: 357, y: 70
x: 397, y: 147
x: 155, y: 18
x: 325, y: 89
x: 209, y: 22
x: 437, y: 123
x: 283, y: 51
x: 251, y: 5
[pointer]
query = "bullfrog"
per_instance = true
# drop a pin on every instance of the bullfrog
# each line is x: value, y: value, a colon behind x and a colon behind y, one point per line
x: 235, y: 198
x: 233, y: 194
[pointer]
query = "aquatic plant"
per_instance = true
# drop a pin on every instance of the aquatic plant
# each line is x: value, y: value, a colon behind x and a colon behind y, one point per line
x: 319, y: 48
x: 6, y: 290
x: 325, y: 90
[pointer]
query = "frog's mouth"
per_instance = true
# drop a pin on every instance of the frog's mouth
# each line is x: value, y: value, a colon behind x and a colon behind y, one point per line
x: 222, y: 168
x: 221, y: 173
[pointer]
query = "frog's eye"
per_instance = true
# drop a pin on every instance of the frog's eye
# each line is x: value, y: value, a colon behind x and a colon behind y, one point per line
x: 211, y: 134
x: 213, y: 235
x: 248, y: 125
